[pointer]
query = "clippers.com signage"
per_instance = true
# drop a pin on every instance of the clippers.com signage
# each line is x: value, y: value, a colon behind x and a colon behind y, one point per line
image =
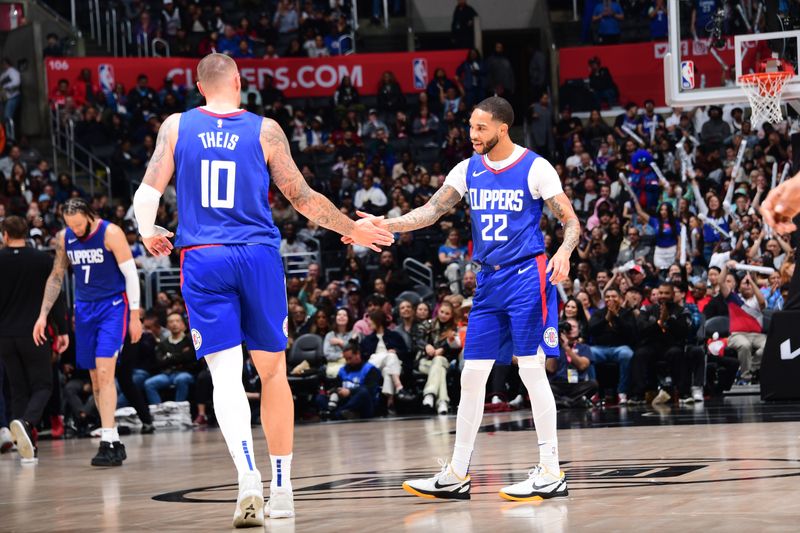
x: 296, y: 77
x: 638, y: 69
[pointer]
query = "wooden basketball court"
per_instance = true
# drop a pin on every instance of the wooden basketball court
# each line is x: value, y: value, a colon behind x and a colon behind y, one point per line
x: 707, y: 468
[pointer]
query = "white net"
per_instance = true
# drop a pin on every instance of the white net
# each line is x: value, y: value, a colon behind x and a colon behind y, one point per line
x: 764, y: 91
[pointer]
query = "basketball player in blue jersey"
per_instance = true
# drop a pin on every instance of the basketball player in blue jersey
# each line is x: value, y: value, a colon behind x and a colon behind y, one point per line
x: 233, y: 281
x: 106, y: 308
x: 514, y: 310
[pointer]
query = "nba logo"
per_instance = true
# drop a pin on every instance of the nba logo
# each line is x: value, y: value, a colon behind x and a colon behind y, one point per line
x: 687, y: 74
x: 420, y: 73
x: 105, y: 73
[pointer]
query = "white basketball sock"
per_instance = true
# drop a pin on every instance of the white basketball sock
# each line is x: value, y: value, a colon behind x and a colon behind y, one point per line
x: 114, y: 434
x: 281, y: 471
x: 107, y: 435
x: 231, y: 407
x: 534, y: 376
x: 470, y: 412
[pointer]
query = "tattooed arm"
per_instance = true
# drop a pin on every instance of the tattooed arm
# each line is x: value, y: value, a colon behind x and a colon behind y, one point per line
x: 161, y: 166
x: 439, y: 204
x: 308, y: 202
x: 561, y: 207
x: 52, y: 289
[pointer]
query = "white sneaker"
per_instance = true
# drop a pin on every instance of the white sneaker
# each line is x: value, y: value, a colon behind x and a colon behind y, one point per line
x: 445, y: 485
x: 697, y: 394
x: 443, y: 407
x: 622, y: 398
x: 662, y: 397
x: 6, y: 441
x: 250, y: 503
x: 496, y: 399
x: 540, y: 485
x: 427, y: 401
x: 281, y: 502
x: 517, y: 402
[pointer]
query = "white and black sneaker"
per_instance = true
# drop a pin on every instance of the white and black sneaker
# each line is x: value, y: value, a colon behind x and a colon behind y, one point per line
x: 250, y: 502
x: 281, y: 502
x: 540, y: 485
x: 445, y: 485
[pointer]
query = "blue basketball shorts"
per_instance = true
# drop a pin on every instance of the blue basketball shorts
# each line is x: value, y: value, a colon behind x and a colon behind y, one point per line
x: 235, y: 293
x: 100, y: 329
x: 514, y: 312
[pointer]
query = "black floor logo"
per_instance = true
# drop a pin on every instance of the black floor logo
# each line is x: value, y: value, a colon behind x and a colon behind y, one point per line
x: 487, y: 478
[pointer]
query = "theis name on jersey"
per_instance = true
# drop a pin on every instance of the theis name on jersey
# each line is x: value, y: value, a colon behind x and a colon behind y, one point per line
x: 218, y: 139
x: 496, y: 199
x: 91, y: 256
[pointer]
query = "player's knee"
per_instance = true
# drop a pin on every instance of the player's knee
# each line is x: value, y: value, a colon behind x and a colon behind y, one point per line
x: 531, y: 361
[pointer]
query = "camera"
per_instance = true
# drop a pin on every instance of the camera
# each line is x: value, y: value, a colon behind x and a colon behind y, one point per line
x: 564, y: 327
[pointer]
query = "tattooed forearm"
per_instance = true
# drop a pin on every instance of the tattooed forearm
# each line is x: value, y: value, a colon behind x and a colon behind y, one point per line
x: 53, y: 287
x: 292, y: 184
x: 561, y: 207
x: 439, y: 204
x: 161, y: 165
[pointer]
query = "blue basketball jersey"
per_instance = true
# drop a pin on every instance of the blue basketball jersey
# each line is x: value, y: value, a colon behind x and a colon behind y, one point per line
x: 97, y: 275
x: 505, y: 216
x: 222, y: 180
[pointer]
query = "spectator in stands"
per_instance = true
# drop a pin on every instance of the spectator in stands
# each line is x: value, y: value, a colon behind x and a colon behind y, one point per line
x: 715, y: 130
x: 602, y: 84
x: 426, y: 124
x: 472, y: 76
x: 469, y: 284
x: 335, y: 341
x: 10, y: 83
x: 462, y: 27
x: 390, y: 96
x: 745, y: 309
x: 295, y: 49
x: 442, y: 346
x: 649, y: 121
x: 385, y: 349
x: 141, y: 93
x: 662, y: 329
x: 176, y: 361
x: 53, y: 47
x: 437, y: 90
x: 452, y: 257
x: 355, y: 390
x: 611, y: 333
x: 702, y: 12
x: 145, y: 30
x: 500, y: 73
x: 540, y: 127
x: 608, y: 14
x: 370, y: 129
x: 346, y: 96
x: 370, y: 198
x: 287, y: 23
x: 395, y: 276
x: 290, y: 244
x: 573, y: 310
x: 571, y: 373
x: 171, y: 21
x: 658, y: 20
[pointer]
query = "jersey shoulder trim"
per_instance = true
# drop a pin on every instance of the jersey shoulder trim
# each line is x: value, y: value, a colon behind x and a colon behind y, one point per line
x: 222, y: 115
x: 509, y: 167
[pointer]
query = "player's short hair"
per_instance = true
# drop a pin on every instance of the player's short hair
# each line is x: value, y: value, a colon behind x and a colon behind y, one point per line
x: 499, y: 108
x: 73, y: 206
x: 214, y: 68
x: 352, y: 346
x: 15, y: 226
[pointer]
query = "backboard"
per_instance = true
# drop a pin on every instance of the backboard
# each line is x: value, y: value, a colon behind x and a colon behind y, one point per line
x: 701, y: 67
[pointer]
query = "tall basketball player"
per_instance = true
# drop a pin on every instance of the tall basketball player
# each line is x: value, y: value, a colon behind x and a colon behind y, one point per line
x: 106, y: 292
x: 514, y: 309
x: 233, y: 282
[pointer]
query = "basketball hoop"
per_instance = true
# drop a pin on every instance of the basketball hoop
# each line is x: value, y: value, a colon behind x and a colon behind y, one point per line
x: 764, y: 90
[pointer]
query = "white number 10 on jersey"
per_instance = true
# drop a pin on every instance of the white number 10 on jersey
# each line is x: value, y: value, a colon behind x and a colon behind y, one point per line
x: 209, y: 183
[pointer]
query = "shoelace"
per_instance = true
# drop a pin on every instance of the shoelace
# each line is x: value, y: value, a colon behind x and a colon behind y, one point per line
x: 533, y: 472
x: 445, y: 467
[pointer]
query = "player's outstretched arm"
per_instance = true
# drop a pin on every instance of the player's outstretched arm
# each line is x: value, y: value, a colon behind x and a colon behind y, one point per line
x: 308, y: 202
x: 782, y: 205
x: 52, y: 289
x: 440, y: 203
x: 561, y: 207
x: 159, y: 171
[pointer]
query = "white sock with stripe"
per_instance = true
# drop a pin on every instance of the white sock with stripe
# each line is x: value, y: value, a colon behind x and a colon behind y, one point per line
x: 232, y: 408
x: 281, y: 472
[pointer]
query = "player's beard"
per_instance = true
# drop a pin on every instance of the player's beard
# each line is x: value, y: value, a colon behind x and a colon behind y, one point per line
x: 491, y: 143
x: 86, y: 230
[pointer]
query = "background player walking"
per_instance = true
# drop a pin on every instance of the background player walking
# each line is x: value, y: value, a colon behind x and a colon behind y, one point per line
x: 233, y: 281
x: 106, y: 291
x: 514, y: 311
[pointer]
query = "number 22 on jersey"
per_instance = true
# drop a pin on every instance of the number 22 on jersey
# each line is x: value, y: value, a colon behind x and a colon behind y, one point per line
x: 209, y: 183
x: 498, y: 223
